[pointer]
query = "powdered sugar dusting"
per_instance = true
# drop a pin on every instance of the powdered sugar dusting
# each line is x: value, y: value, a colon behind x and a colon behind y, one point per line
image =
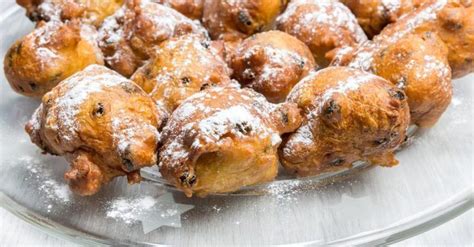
x: 75, y: 90
x: 52, y: 189
x: 330, y: 14
x: 128, y: 209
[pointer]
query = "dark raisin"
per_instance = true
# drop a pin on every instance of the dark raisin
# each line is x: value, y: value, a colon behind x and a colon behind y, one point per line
x: 185, y: 80
x: 206, y: 44
x: 21, y: 88
x: 99, y: 110
x: 18, y: 48
x: 398, y: 94
x: 244, y: 127
x: 332, y: 107
x: 337, y: 162
x: 284, y: 117
x: 192, y: 180
x: 453, y: 26
x: 301, y: 63
x: 33, y: 86
x: 204, y: 86
x: 244, y: 18
x: 128, y: 164
x: 381, y: 141
x: 184, y: 177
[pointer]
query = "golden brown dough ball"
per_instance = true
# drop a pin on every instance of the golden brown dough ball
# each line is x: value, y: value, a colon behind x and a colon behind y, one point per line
x: 419, y: 66
x: 374, y: 15
x: 102, y: 123
x: 88, y: 11
x: 232, y: 20
x: 350, y: 115
x: 52, y: 52
x: 183, y: 66
x: 222, y: 139
x: 190, y: 8
x: 323, y: 25
x: 451, y: 20
x: 272, y: 63
x: 132, y: 35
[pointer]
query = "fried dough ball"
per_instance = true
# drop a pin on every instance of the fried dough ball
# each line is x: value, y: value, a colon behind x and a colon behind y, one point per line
x: 419, y: 66
x: 451, y: 20
x: 102, y: 123
x: 89, y: 11
x: 222, y: 139
x: 190, y: 8
x: 350, y: 116
x: 52, y: 52
x: 322, y: 25
x: 272, y: 63
x: 183, y: 66
x: 132, y: 35
x: 233, y: 20
x: 374, y: 15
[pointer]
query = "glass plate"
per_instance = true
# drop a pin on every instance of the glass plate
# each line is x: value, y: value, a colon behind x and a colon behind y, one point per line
x: 432, y: 185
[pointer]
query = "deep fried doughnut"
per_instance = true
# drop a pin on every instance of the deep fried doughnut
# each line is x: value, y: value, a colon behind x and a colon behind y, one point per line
x: 52, y: 52
x: 133, y: 33
x: 419, y: 66
x: 222, y: 139
x: 102, y: 123
x: 88, y: 11
x: 272, y: 63
x: 182, y: 67
x: 231, y: 20
x: 350, y: 115
x: 322, y: 25
x: 452, y: 20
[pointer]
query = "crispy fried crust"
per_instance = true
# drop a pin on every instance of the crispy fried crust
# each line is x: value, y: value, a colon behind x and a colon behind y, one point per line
x: 102, y: 123
x: 222, y: 139
x: 232, y: 20
x: 350, y: 115
x: 88, y: 11
x: 419, y: 66
x: 52, y: 52
x: 451, y: 20
x: 132, y: 35
x: 374, y: 15
x: 183, y: 66
x: 271, y: 63
x: 323, y: 25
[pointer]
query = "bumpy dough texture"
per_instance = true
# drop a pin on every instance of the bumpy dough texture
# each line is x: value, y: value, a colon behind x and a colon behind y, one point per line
x: 222, y: 139
x: 350, y: 115
x: 374, y: 15
x: 419, y: 66
x: 451, y: 20
x: 88, y: 11
x: 322, y: 25
x: 102, y: 123
x: 190, y: 8
x: 134, y: 32
x: 271, y: 63
x: 232, y: 20
x: 182, y: 67
x: 52, y: 52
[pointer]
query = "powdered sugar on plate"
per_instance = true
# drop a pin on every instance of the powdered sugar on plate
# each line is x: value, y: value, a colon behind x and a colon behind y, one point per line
x: 54, y: 190
x: 127, y: 209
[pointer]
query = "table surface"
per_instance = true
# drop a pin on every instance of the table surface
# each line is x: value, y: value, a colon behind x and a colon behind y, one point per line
x: 457, y: 232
